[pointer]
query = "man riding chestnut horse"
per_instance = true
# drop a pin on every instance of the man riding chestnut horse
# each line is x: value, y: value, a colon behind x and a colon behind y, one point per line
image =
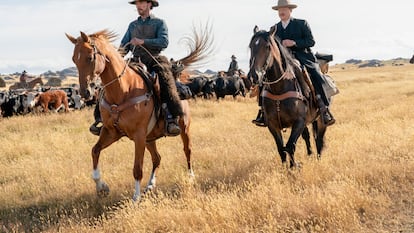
x: 146, y: 37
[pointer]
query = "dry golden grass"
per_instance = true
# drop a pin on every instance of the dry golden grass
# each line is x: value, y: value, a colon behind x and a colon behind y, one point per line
x: 364, y: 182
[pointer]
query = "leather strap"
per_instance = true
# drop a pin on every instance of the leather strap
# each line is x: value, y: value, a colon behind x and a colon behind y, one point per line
x: 286, y: 95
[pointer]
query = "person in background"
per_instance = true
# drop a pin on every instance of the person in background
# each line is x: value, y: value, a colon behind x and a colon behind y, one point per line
x: 233, y: 67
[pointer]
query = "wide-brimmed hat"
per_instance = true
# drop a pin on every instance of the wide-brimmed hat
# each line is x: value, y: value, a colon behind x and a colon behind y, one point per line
x: 233, y: 57
x: 284, y: 3
x: 154, y: 2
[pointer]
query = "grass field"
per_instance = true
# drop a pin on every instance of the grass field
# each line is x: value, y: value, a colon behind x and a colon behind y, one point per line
x: 364, y: 182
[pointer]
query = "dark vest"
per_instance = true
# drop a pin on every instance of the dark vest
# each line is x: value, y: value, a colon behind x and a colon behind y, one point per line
x: 146, y: 31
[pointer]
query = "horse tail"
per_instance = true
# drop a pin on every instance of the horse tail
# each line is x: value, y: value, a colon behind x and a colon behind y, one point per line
x: 200, y: 44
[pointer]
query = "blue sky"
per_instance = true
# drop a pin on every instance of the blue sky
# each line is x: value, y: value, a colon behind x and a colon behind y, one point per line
x: 32, y: 32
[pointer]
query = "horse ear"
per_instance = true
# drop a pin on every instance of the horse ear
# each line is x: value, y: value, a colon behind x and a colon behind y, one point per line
x: 256, y: 29
x: 272, y: 30
x: 71, y: 38
x: 85, y: 37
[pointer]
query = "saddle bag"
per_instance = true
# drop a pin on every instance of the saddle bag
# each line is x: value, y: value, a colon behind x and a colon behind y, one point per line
x: 329, y: 86
x: 323, y: 56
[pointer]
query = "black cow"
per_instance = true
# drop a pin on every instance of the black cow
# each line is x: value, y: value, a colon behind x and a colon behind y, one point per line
x: 229, y: 85
x: 10, y: 105
x: 201, y: 86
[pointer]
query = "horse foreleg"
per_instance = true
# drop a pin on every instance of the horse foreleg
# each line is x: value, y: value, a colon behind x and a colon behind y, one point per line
x: 277, y: 136
x: 156, y: 160
x: 140, y: 142
x: 297, y: 130
x: 306, y: 137
x: 105, y: 139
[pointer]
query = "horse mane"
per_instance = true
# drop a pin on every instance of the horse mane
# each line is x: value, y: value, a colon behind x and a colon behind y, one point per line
x: 287, y: 57
x: 200, y: 45
x: 105, y: 34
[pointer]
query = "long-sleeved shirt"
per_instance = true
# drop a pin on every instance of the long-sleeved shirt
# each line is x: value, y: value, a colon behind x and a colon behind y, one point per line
x: 152, y: 30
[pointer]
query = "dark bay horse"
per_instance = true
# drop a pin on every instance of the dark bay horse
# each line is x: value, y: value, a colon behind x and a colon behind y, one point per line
x: 131, y: 110
x: 412, y: 60
x: 288, y: 100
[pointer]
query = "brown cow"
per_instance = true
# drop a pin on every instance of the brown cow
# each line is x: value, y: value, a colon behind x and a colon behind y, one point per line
x: 54, y: 97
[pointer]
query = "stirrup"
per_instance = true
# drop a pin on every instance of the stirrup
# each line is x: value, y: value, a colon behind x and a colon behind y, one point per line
x: 172, y: 128
x: 260, y: 121
x: 328, y: 119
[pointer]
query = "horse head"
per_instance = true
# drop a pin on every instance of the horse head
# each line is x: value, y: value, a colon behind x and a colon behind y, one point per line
x: 267, y: 55
x: 89, y: 61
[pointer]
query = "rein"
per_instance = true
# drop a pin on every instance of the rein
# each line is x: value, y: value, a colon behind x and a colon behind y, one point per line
x: 123, y: 70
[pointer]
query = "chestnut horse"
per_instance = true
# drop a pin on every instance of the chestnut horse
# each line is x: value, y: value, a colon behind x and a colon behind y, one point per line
x: 28, y: 85
x: 131, y: 112
x: 288, y: 101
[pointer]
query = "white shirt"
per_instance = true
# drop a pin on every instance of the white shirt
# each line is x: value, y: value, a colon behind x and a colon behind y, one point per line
x: 285, y: 23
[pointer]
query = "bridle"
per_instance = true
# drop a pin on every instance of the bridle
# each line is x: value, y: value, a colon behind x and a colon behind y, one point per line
x: 288, y: 72
x: 96, y: 52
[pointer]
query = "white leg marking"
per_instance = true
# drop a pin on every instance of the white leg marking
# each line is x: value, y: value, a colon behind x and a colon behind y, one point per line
x: 191, y: 173
x: 96, y: 175
x: 151, y: 182
x: 137, y: 194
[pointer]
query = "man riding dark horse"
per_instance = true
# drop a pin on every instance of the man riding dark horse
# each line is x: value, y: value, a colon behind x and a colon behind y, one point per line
x: 146, y: 37
x: 296, y: 35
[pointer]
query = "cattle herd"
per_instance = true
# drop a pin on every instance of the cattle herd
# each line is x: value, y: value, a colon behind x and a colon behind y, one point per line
x: 45, y: 98
x: 25, y: 101
x: 218, y: 86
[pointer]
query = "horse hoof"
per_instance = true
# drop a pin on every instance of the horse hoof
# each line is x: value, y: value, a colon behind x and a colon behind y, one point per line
x: 102, y: 190
x: 149, y: 188
x: 136, y: 198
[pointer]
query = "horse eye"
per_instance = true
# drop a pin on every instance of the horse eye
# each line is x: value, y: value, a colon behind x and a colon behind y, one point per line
x: 90, y: 58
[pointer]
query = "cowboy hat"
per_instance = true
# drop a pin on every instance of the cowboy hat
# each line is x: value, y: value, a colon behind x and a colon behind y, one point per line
x: 284, y: 3
x: 233, y: 57
x: 154, y: 2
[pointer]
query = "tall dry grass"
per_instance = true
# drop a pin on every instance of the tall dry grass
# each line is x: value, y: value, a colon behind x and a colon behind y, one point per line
x: 364, y: 182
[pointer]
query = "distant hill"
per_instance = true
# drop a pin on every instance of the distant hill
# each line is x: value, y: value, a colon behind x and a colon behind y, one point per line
x: 210, y: 72
x: 71, y: 71
x: 376, y: 63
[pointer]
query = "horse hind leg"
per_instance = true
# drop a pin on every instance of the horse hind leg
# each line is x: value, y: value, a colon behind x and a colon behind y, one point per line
x: 140, y: 144
x: 185, y: 137
x: 319, y: 130
x: 306, y: 138
x: 156, y: 160
x: 184, y: 123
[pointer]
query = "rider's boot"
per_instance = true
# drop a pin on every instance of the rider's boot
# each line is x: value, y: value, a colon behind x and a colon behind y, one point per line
x: 260, y: 120
x: 96, y: 127
x: 326, y: 115
x: 172, y: 127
